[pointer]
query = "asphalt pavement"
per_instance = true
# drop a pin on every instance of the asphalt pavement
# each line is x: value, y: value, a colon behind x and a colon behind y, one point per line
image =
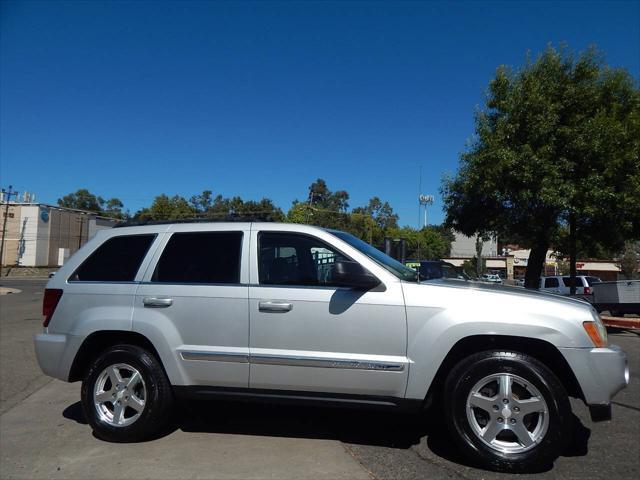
x: 43, y: 433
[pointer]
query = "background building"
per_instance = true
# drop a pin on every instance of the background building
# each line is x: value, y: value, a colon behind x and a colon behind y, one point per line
x: 512, y: 264
x: 465, y: 247
x: 41, y: 235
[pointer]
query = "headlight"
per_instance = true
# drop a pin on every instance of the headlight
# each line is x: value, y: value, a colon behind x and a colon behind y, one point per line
x: 596, y: 330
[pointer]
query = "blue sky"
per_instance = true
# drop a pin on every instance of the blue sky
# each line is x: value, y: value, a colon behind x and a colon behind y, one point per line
x: 133, y: 99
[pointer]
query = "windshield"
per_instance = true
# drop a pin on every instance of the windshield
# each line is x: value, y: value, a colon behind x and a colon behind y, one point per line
x: 382, y: 259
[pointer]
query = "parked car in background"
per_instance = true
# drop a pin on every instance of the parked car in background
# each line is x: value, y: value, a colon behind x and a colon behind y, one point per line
x: 490, y: 278
x: 561, y: 284
x: 431, y: 269
x: 285, y: 312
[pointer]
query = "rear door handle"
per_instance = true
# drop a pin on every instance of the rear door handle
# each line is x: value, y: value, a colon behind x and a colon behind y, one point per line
x: 155, y: 302
x: 274, y: 306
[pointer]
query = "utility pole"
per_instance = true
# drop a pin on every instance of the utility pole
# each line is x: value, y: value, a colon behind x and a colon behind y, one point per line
x: 6, y: 195
x: 80, y: 236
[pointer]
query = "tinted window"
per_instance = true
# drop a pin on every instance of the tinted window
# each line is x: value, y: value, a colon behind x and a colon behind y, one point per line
x: 567, y: 281
x: 551, y: 282
x: 200, y: 257
x: 116, y: 260
x: 291, y: 259
x: 592, y: 280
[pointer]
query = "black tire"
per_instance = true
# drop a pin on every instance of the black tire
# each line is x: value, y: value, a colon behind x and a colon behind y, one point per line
x: 157, y: 405
x: 472, y: 370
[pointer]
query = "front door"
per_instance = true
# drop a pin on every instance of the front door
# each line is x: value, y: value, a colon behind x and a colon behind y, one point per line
x: 307, y: 334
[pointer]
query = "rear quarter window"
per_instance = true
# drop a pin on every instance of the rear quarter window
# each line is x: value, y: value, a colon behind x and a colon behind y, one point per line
x: 116, y: 260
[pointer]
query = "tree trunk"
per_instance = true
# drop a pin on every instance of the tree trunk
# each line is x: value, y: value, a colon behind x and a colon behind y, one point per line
x: 478, y: 256
x: 535, y: 265
x: 572, y: 254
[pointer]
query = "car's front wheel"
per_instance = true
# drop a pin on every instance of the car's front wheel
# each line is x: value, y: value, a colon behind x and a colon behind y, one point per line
x: 126, y: 395
x: 507, y: 411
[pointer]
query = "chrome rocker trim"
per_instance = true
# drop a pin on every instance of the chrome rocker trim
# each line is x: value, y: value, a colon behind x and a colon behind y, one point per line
x: 294, y: 361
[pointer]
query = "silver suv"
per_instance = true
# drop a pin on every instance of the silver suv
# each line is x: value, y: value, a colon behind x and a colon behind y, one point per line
x: 144, y: 315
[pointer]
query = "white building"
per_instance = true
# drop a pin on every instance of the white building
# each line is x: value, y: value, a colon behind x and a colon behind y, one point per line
x: 41, y: 235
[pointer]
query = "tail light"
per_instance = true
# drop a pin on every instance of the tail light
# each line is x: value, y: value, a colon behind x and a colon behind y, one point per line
x: 51, y: 298
x: 587, y: 290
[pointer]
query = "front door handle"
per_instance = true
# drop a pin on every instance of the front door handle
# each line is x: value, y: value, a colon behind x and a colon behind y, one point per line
x: 274, y: 306
x: 155, y: 302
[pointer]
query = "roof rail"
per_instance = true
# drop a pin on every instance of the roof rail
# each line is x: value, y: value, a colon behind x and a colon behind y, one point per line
x: 217, y: 219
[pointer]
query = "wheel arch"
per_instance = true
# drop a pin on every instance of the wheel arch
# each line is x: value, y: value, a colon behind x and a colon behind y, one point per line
x: 542, y: 350
x: 98, y: 342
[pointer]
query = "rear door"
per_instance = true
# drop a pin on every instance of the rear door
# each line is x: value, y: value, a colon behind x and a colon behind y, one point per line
x: 192, y: 304
x: 307, y: 334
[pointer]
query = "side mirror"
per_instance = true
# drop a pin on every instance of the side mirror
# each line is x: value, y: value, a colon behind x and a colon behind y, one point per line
x: 352, y: 274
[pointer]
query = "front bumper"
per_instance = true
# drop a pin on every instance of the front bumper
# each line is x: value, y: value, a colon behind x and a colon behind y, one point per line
x: 55, y: 353
x: 601, y: 373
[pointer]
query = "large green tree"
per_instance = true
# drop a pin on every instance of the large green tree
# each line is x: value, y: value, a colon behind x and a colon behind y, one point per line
x: 323, y: 207
x: 83, y: 199
x: 205, y: 206
x: 427, y: 243
x: 165, y: 208
x: 555, y: 159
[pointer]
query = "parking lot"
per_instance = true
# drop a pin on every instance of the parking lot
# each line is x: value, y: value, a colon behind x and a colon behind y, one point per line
x: 43, y: 433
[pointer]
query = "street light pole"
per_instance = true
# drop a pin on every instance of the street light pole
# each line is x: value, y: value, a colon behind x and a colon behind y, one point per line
x: 425, y: 200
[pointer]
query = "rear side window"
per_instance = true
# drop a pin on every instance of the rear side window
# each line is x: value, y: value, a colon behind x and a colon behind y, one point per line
x: 200, y: 257
x: 116, y: 260
x: 551, y: 282
x: 592, y: 280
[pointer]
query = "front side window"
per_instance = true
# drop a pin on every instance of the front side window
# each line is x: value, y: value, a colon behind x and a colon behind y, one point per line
x: 200, y: 257
x: 294, y: 259
x: 116, y: 260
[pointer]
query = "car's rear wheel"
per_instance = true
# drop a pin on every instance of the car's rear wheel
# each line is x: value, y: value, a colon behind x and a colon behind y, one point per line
x: 507, y: 411
x: 126, y: 395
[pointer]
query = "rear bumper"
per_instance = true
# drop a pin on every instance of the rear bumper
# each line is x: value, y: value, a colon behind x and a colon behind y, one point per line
x: 55, y: 353
x: 601, y: 373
